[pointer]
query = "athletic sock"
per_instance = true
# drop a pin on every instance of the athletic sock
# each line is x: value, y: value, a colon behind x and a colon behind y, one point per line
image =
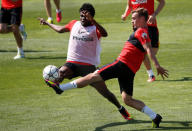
x: 150, y: 72
x: 20, y: 51
x: 58, y: 10
x: 149, y: 112
x: 68, y: 86
x: 50, y: 18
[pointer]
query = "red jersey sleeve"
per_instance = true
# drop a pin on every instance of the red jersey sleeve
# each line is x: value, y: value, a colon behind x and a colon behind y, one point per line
x: 98, y: 33
x: 10, y: 4
x: 142, y: 35
x: 70, y: 24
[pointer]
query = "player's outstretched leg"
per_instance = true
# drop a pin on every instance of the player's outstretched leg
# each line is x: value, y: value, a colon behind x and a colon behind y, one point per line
x: 125, y: 113
x: 54, y: 86
x: 156, y: 121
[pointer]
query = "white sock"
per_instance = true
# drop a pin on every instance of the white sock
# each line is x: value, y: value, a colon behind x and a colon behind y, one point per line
x: 149, y: 112
x: 58, y: 10
x: 20, y: 51
x: 50, y: 18
x: 150, y: 72
x: 68, y: 86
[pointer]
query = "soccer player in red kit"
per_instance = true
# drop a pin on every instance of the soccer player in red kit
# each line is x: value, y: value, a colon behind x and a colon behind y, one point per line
x: 126, y: 65
x: 152, y: 26
x: 10, y: 21
x: 83, y: 55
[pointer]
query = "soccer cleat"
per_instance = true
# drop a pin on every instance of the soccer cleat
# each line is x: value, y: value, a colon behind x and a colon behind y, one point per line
x: 125, y: 114
x: 19, y: 56
x: 23, y: 32
x: 55, y: 86
x: 50, y: 21
x: 58, y: 16
x: 151, y: 78
x: 156, y: 121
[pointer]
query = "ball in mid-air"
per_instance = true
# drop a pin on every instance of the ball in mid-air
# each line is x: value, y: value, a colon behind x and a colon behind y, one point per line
x: 51, y: 73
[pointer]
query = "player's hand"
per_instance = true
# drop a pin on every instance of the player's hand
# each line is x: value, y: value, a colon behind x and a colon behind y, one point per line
x: 152, y: 19
x: 42, y: 21
x: 123, y: 17
x: 163, y: 72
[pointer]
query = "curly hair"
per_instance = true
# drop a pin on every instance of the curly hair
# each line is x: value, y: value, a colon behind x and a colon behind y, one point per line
x: 88, y: 7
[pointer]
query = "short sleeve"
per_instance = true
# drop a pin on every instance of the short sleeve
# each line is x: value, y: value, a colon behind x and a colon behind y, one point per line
x: 142, y: 35
x: 70, y: 24
x: 98, y: 33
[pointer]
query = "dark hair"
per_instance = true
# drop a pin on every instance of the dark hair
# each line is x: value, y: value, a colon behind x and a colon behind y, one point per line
x: 88, y: 7
x: 141, y: 12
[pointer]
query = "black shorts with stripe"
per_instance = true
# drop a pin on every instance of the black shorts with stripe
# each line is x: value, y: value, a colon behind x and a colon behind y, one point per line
x: 80, y: 70
x: 118, y: 69
x: 154, y: 36
x: 11, y: 16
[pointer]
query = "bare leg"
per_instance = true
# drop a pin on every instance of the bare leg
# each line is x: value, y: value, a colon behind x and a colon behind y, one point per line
x: 57, y: 4
x: 17, y: 35
x: 88, y: 79
x: 128, y: 100
x: 102, y: 89
x: 47, y: 4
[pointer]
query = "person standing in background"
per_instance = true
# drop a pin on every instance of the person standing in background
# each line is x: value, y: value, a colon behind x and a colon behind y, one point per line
x: 10, y: 21
x: 47, y: 4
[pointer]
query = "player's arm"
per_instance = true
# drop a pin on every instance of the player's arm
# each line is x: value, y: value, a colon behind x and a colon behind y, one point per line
x: 101, y: 29
x: 160, y: 6
x: 57, y: 28
x: 160, y: 70
x: 127, y: 10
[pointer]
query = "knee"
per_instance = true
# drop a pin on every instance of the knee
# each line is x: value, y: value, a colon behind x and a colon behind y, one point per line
x: 15, y: 29
x: 2, y: 29
x: 127, y: 99
x: 95, y: 77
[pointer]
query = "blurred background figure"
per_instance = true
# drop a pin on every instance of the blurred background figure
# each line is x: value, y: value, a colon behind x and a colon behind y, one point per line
x: 10, y: 21
x: 47, y: 4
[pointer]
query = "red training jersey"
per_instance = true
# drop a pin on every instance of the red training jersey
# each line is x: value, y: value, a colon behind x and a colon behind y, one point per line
x: 10, y: 4
x: 147, y: 4
x: 133, y: 52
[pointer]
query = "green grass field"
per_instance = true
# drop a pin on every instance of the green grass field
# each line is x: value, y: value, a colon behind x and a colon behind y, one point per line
x: 27, y: 104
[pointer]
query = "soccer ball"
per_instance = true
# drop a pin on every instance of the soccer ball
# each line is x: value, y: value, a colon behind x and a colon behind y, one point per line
x: 51, y: 73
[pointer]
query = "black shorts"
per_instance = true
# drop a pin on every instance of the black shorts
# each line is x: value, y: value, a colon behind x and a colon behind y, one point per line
x: 118, y: 69
x: 11, y: 16
x: 80, y: 70
x: 154, y: 36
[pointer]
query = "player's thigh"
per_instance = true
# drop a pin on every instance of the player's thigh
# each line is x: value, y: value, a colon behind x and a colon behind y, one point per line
x: 126, y: 80
x: 154, y: 36
x: 83, y: 70
x: 16, y: 16
x: 110, y: 71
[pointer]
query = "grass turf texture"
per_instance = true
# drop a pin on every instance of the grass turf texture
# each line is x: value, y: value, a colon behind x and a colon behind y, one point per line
x: 26, y: 103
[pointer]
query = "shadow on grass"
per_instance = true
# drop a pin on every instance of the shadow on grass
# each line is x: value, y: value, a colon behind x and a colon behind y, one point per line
x: 30, y: 51
x: 182, y: 79
x: 183, y: 125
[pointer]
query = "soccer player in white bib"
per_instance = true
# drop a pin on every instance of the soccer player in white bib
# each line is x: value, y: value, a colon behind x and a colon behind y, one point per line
x: 84, y: 52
